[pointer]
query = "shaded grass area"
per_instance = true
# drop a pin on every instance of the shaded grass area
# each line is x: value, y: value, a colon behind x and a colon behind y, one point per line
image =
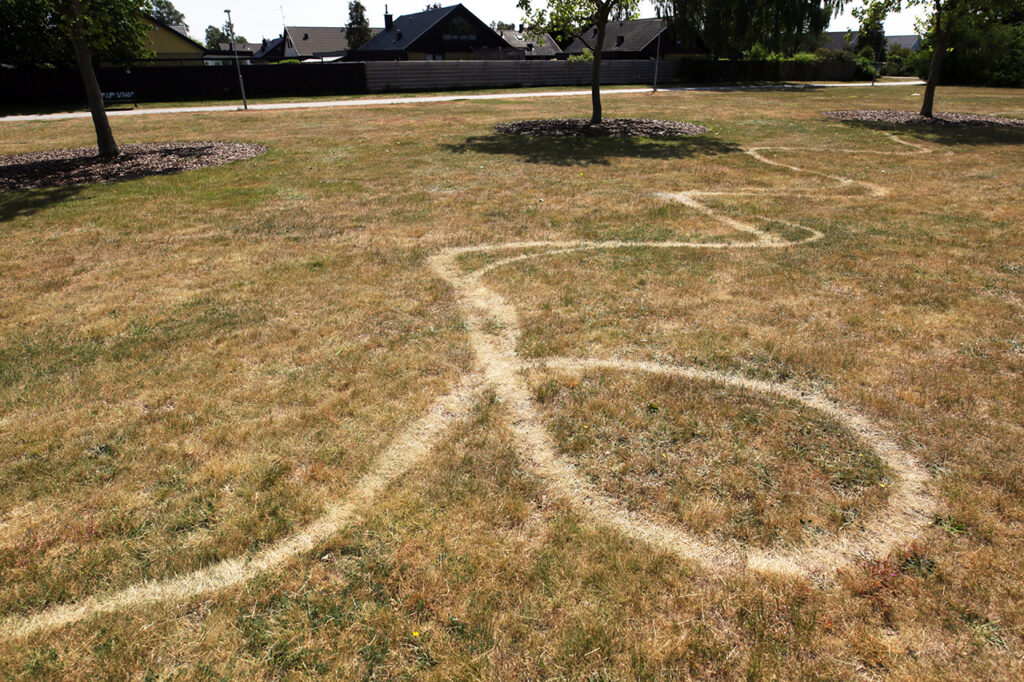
x: 583, y: 151
x: 193, y: 365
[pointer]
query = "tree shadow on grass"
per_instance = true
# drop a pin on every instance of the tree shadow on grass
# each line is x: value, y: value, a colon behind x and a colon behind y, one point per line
x: 585, y: 151
x: 19, y: 203
x: 949, y: 135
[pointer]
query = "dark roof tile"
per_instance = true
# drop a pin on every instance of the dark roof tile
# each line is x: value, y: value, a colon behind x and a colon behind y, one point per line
x: 624, y: 36
x: 407, y: 29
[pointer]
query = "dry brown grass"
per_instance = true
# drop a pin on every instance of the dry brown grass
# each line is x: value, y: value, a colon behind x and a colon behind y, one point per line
x: 722, y: 463
x: 192, y: 367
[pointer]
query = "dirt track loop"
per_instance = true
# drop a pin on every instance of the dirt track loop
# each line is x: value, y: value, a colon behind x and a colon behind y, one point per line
x: 500, y: 369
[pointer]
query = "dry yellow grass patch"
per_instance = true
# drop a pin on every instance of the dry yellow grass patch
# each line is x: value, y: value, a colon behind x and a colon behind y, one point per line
x: 194, y: 367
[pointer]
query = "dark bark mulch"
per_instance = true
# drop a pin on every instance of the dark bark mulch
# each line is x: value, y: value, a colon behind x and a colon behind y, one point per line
x: 894, y: 117
x: 62, y: 167
x: 610, y: 127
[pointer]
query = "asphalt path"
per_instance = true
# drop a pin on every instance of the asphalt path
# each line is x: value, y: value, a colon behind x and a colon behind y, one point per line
x: 436, y: 99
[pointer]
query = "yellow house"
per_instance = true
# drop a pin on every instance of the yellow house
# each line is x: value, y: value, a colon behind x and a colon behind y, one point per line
x: 170, y: 45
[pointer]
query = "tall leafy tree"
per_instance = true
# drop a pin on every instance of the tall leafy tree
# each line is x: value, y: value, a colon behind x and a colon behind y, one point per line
x: 215, y: 36
x: 871, y: 31
x: 730, y: 27
x: 59, y: 32
x: 945, y: 17
x: 583, y: 19
x: 358, y: 30
x: 988, y: 48
x: 165, y: 11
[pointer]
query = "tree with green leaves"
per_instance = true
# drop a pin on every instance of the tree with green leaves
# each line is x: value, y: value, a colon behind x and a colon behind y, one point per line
x: 944, y: 17
x: 586, y: 20
x: 987, y: 49
x: 871, y: 30
x: 58, y: 32
x: 165, y: 11
x: 215, y: 36
x: 358, y: 30
x: 728, y: 28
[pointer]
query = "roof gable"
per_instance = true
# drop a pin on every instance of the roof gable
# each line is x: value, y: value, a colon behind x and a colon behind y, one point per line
x: 624, y: 36
x: 409, y: 28
x: 911, y: 42
x: 173, y: 32
x: 239, y: 47
x: 839, y: 40
x: 318, y: 41
x: 543, y: 45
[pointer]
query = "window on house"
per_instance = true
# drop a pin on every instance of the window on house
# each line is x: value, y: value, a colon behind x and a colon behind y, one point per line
x: 459, y: 29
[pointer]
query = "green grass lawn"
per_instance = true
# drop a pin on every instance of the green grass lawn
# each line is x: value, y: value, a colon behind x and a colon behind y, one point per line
x: 194, y: 367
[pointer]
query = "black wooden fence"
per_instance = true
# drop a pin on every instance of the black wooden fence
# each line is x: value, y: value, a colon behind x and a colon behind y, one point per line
x: 26, y: 88
x: 456, y: 75
x: 33, y: 87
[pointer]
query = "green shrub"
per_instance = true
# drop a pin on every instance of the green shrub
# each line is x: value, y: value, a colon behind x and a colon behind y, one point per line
x: 805, y: 58
x: 759, y: 53
x: 585, y: 58
x: 900, y: 61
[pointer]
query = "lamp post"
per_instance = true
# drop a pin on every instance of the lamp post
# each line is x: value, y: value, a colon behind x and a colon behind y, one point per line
x: 238, y: 67
x: 657, y: 59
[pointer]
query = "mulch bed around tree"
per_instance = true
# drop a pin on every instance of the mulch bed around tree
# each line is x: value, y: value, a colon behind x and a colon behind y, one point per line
x: 610, y: 127
x: 62, y: 167
x: 894, y: 117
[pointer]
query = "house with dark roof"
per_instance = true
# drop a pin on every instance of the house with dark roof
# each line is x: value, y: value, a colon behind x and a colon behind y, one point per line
x: 847, y: 40
x: 526, y: 46
x: 637, y: 39
x: 171, y: 45
x: 838, y: 40
x: 225, y: 53
x: 270, y: 50
x: 444, y: 33
x: 307, y: 43
x: 912, y: 43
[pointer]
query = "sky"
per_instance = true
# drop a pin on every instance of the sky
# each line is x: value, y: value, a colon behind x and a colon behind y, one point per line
x: 256, y: 19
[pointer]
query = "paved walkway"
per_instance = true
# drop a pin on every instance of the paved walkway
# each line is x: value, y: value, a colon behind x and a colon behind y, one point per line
x: 433, y: 99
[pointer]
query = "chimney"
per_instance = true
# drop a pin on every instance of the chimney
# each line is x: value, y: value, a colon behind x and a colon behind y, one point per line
x: 389, y: 21
x: 520, y: 28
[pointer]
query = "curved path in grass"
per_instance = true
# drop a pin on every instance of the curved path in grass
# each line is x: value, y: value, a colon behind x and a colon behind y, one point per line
x: 500, y: 369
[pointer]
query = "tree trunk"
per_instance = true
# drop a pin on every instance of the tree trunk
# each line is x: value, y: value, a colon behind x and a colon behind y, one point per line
x: 104, y: 136
x: 595, y: 87
x: 935, y: 68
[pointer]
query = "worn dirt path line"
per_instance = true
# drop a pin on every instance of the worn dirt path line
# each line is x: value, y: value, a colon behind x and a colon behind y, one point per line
x: 501, y: 369
x: 909, y: 509
x: 406, y: 451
